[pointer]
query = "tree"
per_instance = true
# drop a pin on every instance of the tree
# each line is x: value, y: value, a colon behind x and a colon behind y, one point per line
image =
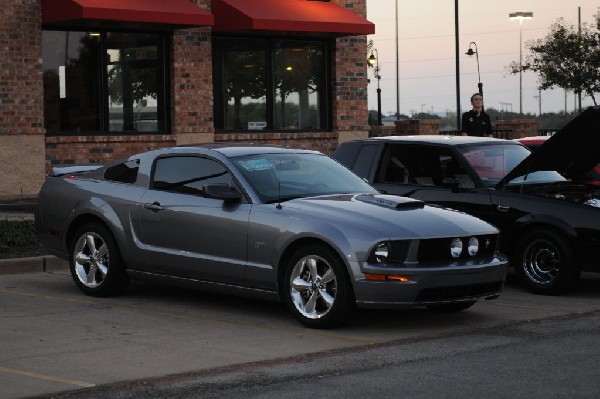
x: 564, y: 59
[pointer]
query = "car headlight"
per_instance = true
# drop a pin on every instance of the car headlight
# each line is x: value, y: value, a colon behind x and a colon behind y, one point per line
x: 473, y: 246
x: 456, y: 247
x: 381, y: 252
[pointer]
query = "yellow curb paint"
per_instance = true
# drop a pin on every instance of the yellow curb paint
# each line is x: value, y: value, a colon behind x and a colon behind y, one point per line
x: 67, y: 381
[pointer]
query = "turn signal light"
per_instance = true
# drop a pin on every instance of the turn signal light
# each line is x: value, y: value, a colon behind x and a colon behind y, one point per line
x: 387, y: 277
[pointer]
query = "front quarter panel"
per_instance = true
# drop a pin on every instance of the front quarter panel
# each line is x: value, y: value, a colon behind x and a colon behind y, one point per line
x: 276, y: 232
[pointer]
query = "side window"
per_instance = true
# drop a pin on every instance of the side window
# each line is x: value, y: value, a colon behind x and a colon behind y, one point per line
x: 412, y: 164
x: 125, y: 172
x: 364, y: 160
x: 188, y: 174
x: 453, y: 168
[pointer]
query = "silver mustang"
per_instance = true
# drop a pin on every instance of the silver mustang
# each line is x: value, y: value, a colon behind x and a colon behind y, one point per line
x: 270, y: 222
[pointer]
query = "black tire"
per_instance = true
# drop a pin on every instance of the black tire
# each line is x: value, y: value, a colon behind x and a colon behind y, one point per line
x: 452, y: 307
x: 544, y: 262
x: 95, y: 261
x: 316, y: 288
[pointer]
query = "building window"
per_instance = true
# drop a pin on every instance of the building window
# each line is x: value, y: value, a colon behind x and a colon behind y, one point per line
x: 105, y: 82
x: 271, y: 84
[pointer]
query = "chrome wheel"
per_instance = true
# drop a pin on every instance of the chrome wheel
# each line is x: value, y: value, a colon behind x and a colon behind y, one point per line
x: 541, y: 262
x: 96, y: 264
x: 313, y: 286
x: 544, y: 262
x: 92, y: 260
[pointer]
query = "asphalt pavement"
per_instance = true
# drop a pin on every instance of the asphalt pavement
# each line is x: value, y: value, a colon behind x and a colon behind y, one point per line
x: 57, y: 342
x: 157, y: 341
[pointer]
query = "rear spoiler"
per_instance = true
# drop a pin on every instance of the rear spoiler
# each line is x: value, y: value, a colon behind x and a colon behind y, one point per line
x: 73, y: 170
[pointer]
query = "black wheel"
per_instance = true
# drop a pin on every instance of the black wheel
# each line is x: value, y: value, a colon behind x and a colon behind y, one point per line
x: 452, y: 307
x: 317, y: 289
x: 96, y: 264
x: 545, y: 263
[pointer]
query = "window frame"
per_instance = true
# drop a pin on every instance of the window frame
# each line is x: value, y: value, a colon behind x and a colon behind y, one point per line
x: 164, y: 86
x: 326, y: 77
x: 197, y: 157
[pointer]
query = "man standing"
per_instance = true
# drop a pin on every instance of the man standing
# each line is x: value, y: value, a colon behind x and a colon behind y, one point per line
x: 476, y: 122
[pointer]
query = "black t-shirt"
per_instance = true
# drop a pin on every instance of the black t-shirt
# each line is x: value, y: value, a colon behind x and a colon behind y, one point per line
x: 475, y: 125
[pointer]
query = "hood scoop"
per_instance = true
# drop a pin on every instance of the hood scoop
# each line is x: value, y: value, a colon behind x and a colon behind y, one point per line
x: 391, y: 201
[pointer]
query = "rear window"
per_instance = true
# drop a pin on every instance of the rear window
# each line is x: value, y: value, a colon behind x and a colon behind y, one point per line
x: 125, y: 172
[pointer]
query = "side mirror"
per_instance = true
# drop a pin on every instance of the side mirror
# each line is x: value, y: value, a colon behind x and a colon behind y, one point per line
x: 451, y: 182
x: 221, y: 191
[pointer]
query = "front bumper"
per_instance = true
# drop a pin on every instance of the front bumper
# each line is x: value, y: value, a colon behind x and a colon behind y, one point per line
x: 429, y: 286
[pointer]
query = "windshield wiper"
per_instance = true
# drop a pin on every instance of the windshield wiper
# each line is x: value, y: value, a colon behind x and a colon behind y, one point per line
x: 285, y: 198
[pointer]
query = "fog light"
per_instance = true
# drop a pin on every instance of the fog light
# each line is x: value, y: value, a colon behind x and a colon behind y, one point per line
x: 381, y: 252
x: 473, y: 246
x: 456, y: 247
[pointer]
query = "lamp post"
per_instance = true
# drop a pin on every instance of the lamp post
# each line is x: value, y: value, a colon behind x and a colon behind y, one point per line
x: 373, y: 60
x: 397, y: 68
x: 470, y: 52
x: 520, y: 16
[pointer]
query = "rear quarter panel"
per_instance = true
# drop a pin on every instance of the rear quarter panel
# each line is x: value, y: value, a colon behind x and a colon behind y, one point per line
x: 67, y: 203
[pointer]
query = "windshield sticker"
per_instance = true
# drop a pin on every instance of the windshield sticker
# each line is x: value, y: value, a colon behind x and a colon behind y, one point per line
x: 256, y: 164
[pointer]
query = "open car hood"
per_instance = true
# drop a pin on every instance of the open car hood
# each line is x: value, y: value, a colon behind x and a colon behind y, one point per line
x: 572, y: 151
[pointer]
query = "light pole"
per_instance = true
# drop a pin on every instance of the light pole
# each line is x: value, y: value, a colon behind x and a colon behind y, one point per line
x: 397, y: 68
x: 470, y: 52
x: 520, y: 16
x: 374, y: 60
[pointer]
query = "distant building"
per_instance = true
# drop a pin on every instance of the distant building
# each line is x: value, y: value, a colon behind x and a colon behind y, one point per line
x: 89, y: 81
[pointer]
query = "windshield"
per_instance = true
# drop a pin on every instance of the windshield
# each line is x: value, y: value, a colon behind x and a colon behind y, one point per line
x: 277, y: 177
x: 493, y: 162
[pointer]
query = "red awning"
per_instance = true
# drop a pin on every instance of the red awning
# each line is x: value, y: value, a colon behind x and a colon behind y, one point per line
x: 176, y: 13
x: 289, y: 16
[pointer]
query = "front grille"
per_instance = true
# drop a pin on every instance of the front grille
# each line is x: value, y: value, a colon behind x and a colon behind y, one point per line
x: 439, y: 248
x: 459, y: 292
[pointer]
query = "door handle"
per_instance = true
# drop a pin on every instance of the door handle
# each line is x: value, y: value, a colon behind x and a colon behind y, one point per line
x: 502, y: 208
x: 155, y: 206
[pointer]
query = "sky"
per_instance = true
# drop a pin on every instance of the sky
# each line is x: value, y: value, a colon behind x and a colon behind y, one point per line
x: 426, y: 53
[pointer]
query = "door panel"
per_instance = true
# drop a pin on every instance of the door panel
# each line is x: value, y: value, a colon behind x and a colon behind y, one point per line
x: 191, y: 236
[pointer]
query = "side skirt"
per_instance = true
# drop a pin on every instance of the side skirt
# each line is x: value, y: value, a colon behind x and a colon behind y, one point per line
x: 209, y: 286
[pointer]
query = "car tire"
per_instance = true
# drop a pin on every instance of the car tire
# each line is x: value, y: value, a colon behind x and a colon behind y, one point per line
x: 95, y: 261
x: 316, y: 288
x: 544, y: 262
x: 452, y: 307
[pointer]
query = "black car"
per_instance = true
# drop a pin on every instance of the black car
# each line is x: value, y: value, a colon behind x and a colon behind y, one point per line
x: 549, y: 221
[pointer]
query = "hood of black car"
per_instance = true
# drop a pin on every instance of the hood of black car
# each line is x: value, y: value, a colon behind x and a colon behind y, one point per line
x: 572, y: 151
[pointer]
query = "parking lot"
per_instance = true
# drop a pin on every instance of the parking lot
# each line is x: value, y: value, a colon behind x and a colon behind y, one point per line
x: 56, y: 339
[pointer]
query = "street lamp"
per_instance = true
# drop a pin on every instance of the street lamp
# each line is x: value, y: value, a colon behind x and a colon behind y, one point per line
x: 373, y: 60
x: 470, y: 52
x: 520, y: 16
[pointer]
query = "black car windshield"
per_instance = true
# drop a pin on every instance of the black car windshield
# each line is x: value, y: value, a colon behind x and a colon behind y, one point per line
x: 277, y: 177
x: 492, y: 162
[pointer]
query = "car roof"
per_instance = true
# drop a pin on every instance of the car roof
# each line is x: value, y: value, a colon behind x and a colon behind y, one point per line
x: 235, y: 149
x: 440, y: 139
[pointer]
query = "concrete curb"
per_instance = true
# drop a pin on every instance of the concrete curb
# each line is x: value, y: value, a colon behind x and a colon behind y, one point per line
x: 45, y: 263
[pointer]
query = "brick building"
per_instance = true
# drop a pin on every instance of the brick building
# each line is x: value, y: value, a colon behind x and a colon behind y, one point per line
x: 88, y: 81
